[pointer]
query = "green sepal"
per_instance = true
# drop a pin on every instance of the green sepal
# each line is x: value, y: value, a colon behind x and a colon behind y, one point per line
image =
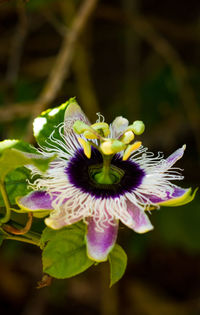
x: 64, y: 255
x: 118, y: 262
x: 180, y: 201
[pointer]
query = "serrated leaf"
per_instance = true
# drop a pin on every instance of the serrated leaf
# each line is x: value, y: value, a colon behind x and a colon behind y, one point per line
x: 65, y: 256
x: 46, y: 123
x: 118, y: 262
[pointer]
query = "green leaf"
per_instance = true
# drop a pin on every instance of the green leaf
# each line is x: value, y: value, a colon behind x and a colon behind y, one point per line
x: 14, y: 154
x: 12, y: 158
x: 65, y: 255
x: 46, y: 123
x: 16, y: 184
x: 16, y: 144
x: 118, y: 262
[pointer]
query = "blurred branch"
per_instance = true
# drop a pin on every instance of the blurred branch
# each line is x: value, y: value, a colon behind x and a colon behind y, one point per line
x: 17, y: 44
x: 80, y: 65
x: 145, y: 30
x: 182, y: 32
x: 51, y: 19
x: 19, y: 110
x: 63, y: 61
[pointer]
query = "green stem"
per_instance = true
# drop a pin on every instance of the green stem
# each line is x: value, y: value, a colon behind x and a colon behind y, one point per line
x: 6, y: 218
x: 22, y: 239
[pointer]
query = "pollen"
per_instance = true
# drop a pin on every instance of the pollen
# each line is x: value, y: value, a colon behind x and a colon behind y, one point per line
x: 130, y: 149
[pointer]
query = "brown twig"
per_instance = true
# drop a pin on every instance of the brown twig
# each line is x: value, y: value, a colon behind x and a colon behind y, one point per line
x: 44, y: 282
x: 13, y: 230
x: 63, y: 61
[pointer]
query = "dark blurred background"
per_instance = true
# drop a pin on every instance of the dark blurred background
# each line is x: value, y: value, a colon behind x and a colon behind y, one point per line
x: 136, y: 58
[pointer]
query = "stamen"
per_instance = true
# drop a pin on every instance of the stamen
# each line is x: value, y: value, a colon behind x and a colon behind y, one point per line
x: 137, y: 127
x: 89, y: 135
x: 79, y: 126
x: 101, y: 128
x: 127, y: 137
x: 130, y: 149
x: 86, y: 147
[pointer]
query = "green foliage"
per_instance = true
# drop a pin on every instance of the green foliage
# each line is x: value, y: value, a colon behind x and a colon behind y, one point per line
x: 45, y: 124
x: 65, y: 255
x: 118, y: 262
x: 14, y: 154
x: 12, y: 158
x: 16, y: 184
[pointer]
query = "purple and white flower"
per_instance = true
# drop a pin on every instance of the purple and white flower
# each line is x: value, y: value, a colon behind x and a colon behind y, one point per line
x: 101, y: 176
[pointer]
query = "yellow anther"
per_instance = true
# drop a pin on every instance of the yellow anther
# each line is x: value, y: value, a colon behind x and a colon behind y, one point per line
x: 106, y: 147
x: 130, y: 149
x: 101, y: 127
x: 79, y: 126
x: 86, y: 147
x: 127, y: 137
x: 90, y: 135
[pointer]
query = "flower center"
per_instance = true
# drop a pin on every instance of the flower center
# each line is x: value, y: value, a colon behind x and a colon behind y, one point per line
x: 100, y: 175
x: 88, y: 175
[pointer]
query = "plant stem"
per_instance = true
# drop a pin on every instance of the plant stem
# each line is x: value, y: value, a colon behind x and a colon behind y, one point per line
x: 22, y: 239
x: 6, y: 218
